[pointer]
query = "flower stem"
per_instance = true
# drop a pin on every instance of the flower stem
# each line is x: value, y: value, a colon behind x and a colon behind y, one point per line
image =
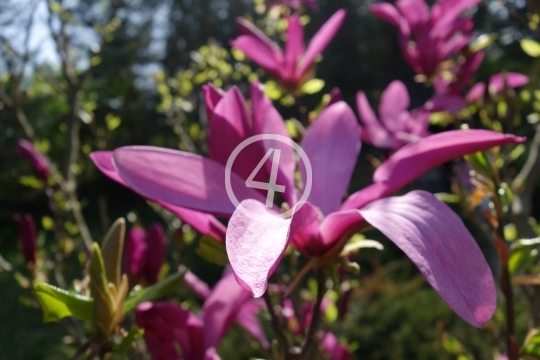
x: 316, y: 315
x: 276, y: 324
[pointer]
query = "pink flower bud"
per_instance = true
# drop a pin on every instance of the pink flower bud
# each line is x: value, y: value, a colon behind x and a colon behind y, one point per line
x: 27, y: 237
x: 40, y: 164
x: 135, y: 252
x: 155, y: 252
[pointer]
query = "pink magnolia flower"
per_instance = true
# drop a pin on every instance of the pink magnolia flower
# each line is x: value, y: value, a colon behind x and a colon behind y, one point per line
x: 496, y: 84
x: 166, y: 325
x: 144, y: 254
x: 40, y: 164
x: 456, y: 80
x: 398, y: 126
x: 27, y: 237
x: 431, y: 234
x: 333, y: 348
x: 427, y: 38
x: 295, y: 66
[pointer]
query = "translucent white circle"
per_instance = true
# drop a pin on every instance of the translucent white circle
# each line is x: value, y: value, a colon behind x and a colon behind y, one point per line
x: 260, y: 137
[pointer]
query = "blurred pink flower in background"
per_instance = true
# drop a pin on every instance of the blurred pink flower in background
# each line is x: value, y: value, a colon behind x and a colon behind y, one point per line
x: 144, y: 253
x: 428, y: 37
x: 40, y: 164
x: 496, y: 84
x: 295, y: 66
x: 27, y: 237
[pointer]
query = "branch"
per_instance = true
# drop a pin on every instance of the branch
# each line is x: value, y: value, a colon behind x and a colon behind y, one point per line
x: 523, y: 187
x: 316, y: 316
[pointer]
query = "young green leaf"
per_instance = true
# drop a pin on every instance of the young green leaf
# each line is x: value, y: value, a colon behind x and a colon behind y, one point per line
x: 112, y: 248
x: 213, y: 251
x: 58, y: 303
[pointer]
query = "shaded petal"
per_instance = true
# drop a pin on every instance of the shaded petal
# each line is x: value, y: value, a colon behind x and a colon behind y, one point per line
x: 221, y: 307
x: 211, y: 354
x: 415, y: 11
x: 26, y: 228
x: 230, y: 125
x: 339, y: 225
x: 320, y: 41
x: 366, y: 195
x: 180, y: 178
x: 135, y: 252
x: 155, y: 252
x: 36, y: 159
x: 436, y: 240
x: 256, y: 239
x: 332, y: 146
x: 416, y: 158
x: 294, y: 45
x: 267, y: 120
x: 247, y: 318
x: 198, y: 286
x: 206, y: 224
x: 393, y: 106
x: 335, y: 96
x: 372, y: 131
x: 212, y: 96
x: 166, y: 326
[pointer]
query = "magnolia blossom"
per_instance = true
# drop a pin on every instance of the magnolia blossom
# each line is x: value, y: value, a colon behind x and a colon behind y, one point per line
x: 295, y: 66
x: 27, y: 237
x: 431, y: 234
x: 428, y: 37
x: 167, y: 326
x: 40, y: 164
x: 455, y: 80
x: 144, y: 254
x: 497, y: 84
x: 398, y: 126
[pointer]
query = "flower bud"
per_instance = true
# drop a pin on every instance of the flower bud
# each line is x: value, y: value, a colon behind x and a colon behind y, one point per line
x: 40, y: 164
x: 155, y: 252
x: 27, y: 237
x: 135, y: 252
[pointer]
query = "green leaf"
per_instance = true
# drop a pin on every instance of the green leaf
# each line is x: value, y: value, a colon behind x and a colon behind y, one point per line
x: 482, y: 42
x: 312, y: 86
x: 153, y: 292
x: 103, y: 302
x: 447, y: 198
x: 358, y: 242
x: 331, y: 313
x: 531, y: 47
x: 58, y: 303
x: 272, y: 90
x: 133, y: 335
x: 213, y: 251
x: 531, y: 346
x: 112, y: 121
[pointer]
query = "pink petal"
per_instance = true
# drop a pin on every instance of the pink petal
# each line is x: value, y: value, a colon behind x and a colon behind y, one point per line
x: 26, y: 228
x: 436, y: 240
x: 198, y: 286
x: 180, y: 178
x: 476, y: 92
x: 334, y: 349
x: 366, y: 195
x: 415, y: 11
x: 221, y: 308
x: 211, y: 354
x: 335, y: 96
x: 267, y: 120
x: 341, y: 224
x: 206, y: 224
x: 417, y: 158
x: 320, y: 41
x: 445, y: 102
x: 212, y: 96
x: 511, y: 80
x: 266, y: 57
x: 36, y: 159
x: 294, y: 45
x: 448, y: 13
x: 372, y: 131
x: 391, y: 15
x: 332, y: 146
x: 230, y: 125
x: 247, y: 318
x: 167, y: 326
x: 256, y: 239
x: 393, y: 106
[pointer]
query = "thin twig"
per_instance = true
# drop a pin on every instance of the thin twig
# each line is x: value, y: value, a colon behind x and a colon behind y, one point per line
x: 276, y: 325
x: 316, y: 314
